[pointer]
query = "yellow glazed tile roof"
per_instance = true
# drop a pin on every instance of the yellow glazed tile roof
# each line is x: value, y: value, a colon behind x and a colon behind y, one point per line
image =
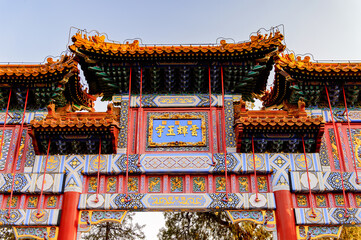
x: 65, y: 63
x: 274, y: 119
x: 98, y: 44
x: 288, y: 61
x: 296, y: 116
x: 77, y: 119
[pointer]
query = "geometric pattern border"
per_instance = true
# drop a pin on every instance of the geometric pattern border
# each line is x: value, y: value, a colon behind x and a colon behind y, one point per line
x: 199, y: 100
x: 32, y: 183
x: 324, y: 181
x: 27, y: 217
x: 116, y: 163
x: 354, y: 115
x: 328, y: 216
x: 180, y: 201
x: 279, y: 164
x: 16, y: 117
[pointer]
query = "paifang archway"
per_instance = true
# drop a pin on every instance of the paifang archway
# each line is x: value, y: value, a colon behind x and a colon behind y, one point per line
x: 178, y: 136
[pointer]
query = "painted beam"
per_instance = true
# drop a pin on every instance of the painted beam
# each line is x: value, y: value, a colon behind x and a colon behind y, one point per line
x: 171, y: 101
x: 279, y: 164
x: 338, y: 114
x: 181, y: 201
x: 177, y: 162
x: 328, y: 216
x: 32, y: 183
x: 16, y: 117
x: 323, y: 181
x: 27, y: 217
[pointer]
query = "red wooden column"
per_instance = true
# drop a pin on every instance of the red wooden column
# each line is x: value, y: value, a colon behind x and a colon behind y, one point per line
x: 285, y: 216
x: 69, y: 216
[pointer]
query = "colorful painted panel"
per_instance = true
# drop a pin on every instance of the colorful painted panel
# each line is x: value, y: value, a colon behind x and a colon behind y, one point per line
x: 176, y: 184
x: 328, y: 216
x: 31, y: 183
x: 33, y: 202
x: 123, y: 132
x: 22, y: 148
x: 171, y: 201
x: 358, y: 200
x: 316, y: 232
x: 52, y: 202
x: 324, y: 157
x: 262, y: 184
x: 220, y: 184
x: 178, y: 162
x: 301, y: 200
x: 334, y: 149
x: 112, y: 184
x: 229, y: 121
x: 21, y: 217
x: 278, y: 163
x: 339, y: 200
x: 89, y: 218
x: 30, y: 158
x: 175, y: 201
x: 199, y: 184
x: 199, y: 100
x: 243, y: 183
x: 324, y: 181
x: 95, y: 164
x: 5, y: 147
x: 265, y: 217
x: 154, y: 184
x: 16, y: 117
x: 321, y: 200
x: 339, y: 114
x: 40, y: 233
x: 14, y: 201
x: 177, y: 130
x: 133, y: 184
x: 114, y: 164
x: 92, y: 185
x: 356, y: 142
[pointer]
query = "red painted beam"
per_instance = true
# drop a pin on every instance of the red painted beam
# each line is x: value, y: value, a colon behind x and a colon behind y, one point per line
x: 285, y: 217
x: 69, y: 216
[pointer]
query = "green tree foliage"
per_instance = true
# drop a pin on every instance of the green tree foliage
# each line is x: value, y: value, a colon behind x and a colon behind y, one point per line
x: 351, y: 233
x: 7, y: 233
x: 208, y: 225
x: 113, y: 230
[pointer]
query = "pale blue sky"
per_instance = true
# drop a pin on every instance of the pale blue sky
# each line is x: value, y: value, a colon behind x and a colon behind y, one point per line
x: 32, y: 30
